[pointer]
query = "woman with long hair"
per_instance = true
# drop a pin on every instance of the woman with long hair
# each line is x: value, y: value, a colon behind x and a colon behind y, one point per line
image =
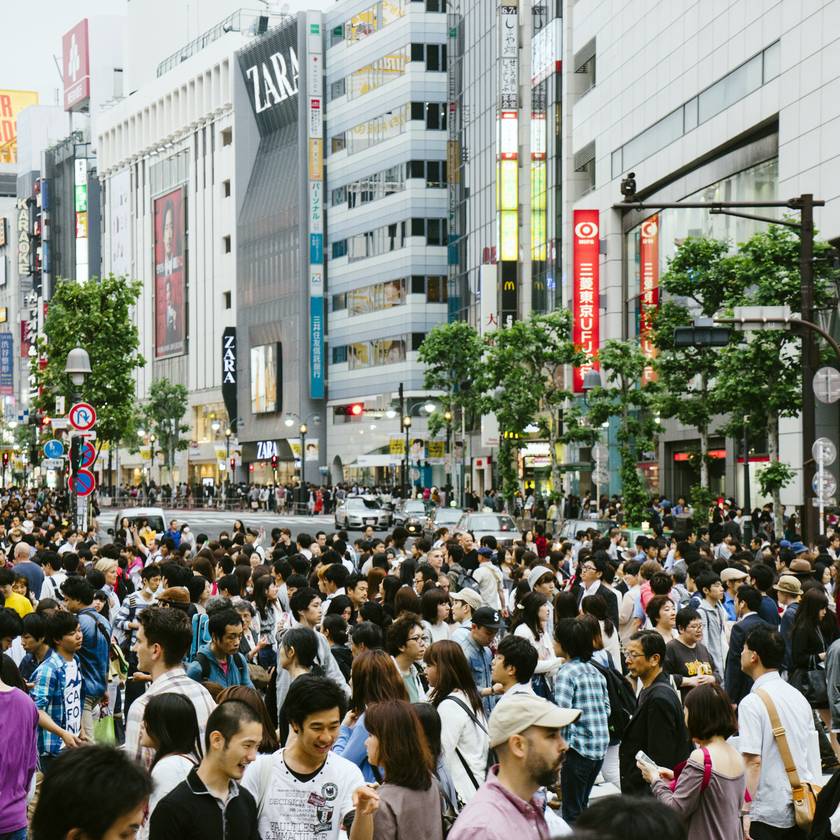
x: 170, y: 728
x: 251, y: 697
x: 374, y: 678
x: 529, y: 621
x: 430, y: 721
x: 299, y: 652
x: 409, y: 798
x: 268, y: 612
x: 463, y: 724
x: 597, y: 606
x: 436, y: 609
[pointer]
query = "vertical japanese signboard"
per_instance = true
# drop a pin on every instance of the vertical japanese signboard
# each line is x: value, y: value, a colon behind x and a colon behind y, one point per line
x: 7, y: 365
x: 649, y: 291
x: 585, y: 291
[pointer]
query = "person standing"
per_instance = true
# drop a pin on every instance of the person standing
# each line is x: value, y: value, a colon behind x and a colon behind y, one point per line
x: 488, y: 576
x: 23, y: 565
x: 513, y: 666
x: 220, y: 661
x: 686, y: 658
x: 476, y: 647
x: 658, y: 724
x: 526, y: 732
x: 714, y: 617
x: 747, y: 602
x: 770, y: 814
x: 579, y: 685
x: 407, y: 645
x: 211, y: 804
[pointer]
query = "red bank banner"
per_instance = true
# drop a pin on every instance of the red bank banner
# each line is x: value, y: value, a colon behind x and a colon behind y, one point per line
x: 649, y: 292
x: 76, y: 60
x: 585, y: 291
x: 170, y: 276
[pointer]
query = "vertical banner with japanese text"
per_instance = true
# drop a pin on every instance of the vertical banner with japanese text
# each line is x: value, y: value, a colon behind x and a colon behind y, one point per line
x: 585, y: 291
x: 649, y: 291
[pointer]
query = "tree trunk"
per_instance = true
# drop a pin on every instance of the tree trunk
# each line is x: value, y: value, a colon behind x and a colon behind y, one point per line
x: 773, y: 452
x: 556, y: 477
x: 704, y: 464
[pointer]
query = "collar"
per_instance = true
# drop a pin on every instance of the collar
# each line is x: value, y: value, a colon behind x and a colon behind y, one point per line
x: 171, y: 674
x: 527, y: 809
x: 764, y: 679
x: 747, y: 615
x: 200, y: 789
x: 587, y: 590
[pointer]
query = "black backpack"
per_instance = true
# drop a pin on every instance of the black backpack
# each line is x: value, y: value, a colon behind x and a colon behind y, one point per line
x: 622, y: 700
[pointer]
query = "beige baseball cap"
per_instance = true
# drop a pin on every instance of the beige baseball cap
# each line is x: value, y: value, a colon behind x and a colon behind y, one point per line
x: 522, y: 711
x: 468, y: 596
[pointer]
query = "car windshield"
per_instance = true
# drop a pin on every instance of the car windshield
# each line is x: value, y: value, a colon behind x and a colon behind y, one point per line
x: 484, y: 522
x: 415, y: 507
x: 370, y: 504
x: 154, y: 522
x: 445, y: 515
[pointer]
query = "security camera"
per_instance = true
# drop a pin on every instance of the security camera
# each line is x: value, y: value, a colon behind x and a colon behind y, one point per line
x: 628, y: 186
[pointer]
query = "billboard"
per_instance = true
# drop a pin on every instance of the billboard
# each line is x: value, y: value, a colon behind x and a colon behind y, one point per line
x: 118, y: 222
x: 266, y: 378
x: 7, y: 364
x: 170, y: 274
x: 649, y: 298
x: 230, y: 387
x: 586, y: 289
x: 12, y: 102
x: 76, y: 65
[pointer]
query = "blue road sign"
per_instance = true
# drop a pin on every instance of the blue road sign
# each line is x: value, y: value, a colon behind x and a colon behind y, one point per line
x: 82, y: 483
x: 53, y: 448
x: 88, y: 455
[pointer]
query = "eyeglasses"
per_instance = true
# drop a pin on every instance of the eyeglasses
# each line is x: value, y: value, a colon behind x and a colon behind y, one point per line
x: 629, y: 654
x: 414, y: 639
x: 587, y: 567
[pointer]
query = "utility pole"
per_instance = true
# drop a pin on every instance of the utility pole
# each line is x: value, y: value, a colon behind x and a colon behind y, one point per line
x: 404, y: 482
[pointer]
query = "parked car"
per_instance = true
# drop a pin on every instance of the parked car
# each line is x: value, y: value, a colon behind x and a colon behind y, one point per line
x: 360, y: 511
x: 570, y: 527
x: 154, y: 516
x: 498, y: 525
x: 443, y: 517
x: 413, y: 515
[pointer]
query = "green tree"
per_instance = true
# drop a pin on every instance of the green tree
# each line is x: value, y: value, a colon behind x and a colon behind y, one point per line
x: 163, y: 414
x: 96, y: 315
x: 622, y: 365
x: 525, y: 381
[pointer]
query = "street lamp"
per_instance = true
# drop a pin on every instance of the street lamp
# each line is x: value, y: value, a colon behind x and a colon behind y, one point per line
x: 289, y: 421
x: 152, y: 440
x: 447, y: 416
x: 77, y: 367
x: 406, y: 421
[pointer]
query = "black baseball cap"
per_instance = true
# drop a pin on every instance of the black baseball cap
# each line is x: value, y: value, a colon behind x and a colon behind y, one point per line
x: 486, y: 617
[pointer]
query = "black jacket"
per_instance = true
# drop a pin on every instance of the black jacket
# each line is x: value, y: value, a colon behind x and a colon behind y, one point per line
x: 738, y: 684
x: 191, y: 812
x: 658, y: 728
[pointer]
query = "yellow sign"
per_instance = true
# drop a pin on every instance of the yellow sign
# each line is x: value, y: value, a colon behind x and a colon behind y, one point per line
x: 316, y: 158
x: 396, y: 446
x: 436, y: 448
x: 12, y: 102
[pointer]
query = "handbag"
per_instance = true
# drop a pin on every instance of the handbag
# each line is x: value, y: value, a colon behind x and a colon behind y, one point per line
x: 804, y: 793
x: 811, y: 683
x: 707, y: 772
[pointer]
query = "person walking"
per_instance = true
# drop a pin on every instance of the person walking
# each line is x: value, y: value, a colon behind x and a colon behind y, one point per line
x: 530, y: 621
x: 772, y: 703
x: 485, y: 625
x: 686, y: 658
x: 464, y: 735
x: 747, y: 603
x: 708, y: 792
x: 713, y: 616
x: 409, y: 797
x: 220, y: 661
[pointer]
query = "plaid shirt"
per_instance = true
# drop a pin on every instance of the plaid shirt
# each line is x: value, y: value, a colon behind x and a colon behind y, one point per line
x: 48, y: 695
x: 579, y: 685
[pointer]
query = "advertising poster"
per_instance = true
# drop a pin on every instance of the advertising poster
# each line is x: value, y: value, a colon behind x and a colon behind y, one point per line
x: 264, y: 361
x: 120, y: 186
x: 12, y: 102
x: 586, y: 290
x: 7, y: 365
x: 170, y: 275
x: 649, y: 291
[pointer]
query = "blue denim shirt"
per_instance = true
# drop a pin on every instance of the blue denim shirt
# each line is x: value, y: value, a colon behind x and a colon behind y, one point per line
x: 351, y: 744
x: 95, y: 653
x: 480, y: 660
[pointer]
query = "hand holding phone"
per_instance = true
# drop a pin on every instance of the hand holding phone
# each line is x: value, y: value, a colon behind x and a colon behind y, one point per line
x: 644, y: 758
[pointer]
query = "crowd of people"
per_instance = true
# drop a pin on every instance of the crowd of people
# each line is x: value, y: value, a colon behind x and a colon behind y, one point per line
x: 288, y: 687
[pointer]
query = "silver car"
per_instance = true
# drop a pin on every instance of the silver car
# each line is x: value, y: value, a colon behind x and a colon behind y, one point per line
x: 443, y: 517
x: 358, y: 512
x: 498, y: 525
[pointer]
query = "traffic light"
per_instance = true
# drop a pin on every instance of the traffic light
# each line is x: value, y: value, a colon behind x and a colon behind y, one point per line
x: 5, y: 459
x: 274, y: 462
x: 232, y: 464
x: 75, y: 453
x: 352, y: 410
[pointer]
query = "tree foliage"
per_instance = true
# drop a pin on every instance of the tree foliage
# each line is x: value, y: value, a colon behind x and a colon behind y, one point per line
x: 95, y: 315
x: 163, y: 413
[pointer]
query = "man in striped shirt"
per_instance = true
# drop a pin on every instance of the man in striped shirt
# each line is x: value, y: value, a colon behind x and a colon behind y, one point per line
x: 163, y: 641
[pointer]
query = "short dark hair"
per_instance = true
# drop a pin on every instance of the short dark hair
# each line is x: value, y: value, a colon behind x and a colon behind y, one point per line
x: 706, y: 580
x: 652, y: 643
x: 150, y: 571
x: 34, y: 625
x: 630, y: 818
x: 368, y: 634
x: 685, y: 616
x: 750, y: 596
x: 399, y: 631
x: 575, y: 638
x: 59, y: 624
x: 768, y: 645
x: 78, y: 589
x: 64, y: 802
x: 310, y: 694
x: 227, y: 719
x: 518, y: 653
x: 217, y: 622
x: 11, y: 625
x: 337, y: 573
x: 230, y: 583
x: 171, y: 629
x: 710, y: 713
x: 763, y: 576
x: 301, y: 600
x: 661, y: 583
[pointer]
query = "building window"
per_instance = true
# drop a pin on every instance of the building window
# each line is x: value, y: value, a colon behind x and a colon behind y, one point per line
x: 585, y: 163
x: 337, y: 89
x: 378, y: 130
x: 417, y: 340
x: 339, y: 249
x: 227, y: 297
x: 226, y: 244
x: 339, y: 302
x: 227, y: 136
x: 437, y: 289
x: 339, y: 354
x: 434, y: 230
x: 338, y: 142
x: 585, y: 65
x: 226, y: 188
x: 376, y: 297
x: 372, y: 243
x: 377, y: 73
x: 368, y: 21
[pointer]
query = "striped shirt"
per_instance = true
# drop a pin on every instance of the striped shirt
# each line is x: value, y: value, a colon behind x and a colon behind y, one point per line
x: 51, y: 696
x: 579, y: 685
x: 174, y: 681
x: 134, y: 603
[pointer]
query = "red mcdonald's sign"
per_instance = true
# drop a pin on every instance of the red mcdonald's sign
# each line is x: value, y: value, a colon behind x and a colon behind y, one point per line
x: 586, y: 289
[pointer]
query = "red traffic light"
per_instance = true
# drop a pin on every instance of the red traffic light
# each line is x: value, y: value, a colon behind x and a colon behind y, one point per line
x: 357, y: 409
x: 233, y: 464
x: 274, y: 462
x: 5, y: 458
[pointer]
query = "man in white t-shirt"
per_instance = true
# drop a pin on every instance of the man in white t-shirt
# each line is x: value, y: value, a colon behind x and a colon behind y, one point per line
x: 305, y: 790
x: 513, y: 666
x: 489, y: 580
x: 770, y: 814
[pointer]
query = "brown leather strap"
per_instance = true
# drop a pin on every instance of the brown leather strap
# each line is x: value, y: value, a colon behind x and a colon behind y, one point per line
x: 781, y: 740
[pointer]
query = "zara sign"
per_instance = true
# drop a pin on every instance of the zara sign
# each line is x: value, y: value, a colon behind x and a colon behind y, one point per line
x: 229, y: 376
x: 273, y: 81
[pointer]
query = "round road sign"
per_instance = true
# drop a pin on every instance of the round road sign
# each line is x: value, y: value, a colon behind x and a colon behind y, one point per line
x: 824, y: 451
x: 53, y: 449
x: 82, y: 483
x: 88, y: 455
x: 82, y: 416
x: 600, y: 452
x: 824, y: 484
x: 827, y: 385
x: 600, y: 477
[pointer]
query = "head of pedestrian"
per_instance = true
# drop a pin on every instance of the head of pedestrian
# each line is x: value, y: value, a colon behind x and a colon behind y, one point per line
x: 486, y: 623
x: 764, y: 651
x: 78, y: 593
x: 689, y: 626
x: 464, y: 603
x: 710, y: 587
x: 515, y: 662
x: 314, y: 708
x: 645, y: 654
x: 305, y: 606
x: 231, y: 740
x: 397, y: 743
x: 629, y: 818
x: 64, y: 634
x: 163, y: 639
x: 525, y: 731
x: 225, y: 629
x: 405, y: 640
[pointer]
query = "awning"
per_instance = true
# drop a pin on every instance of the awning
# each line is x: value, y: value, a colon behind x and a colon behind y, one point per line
x: 383, y: 460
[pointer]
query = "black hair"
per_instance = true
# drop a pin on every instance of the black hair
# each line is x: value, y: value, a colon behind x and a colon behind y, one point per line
x: 78, y: 589
x: 336, y: 626
x: 768, y: 645
x: 64, y: 804
x: 519, y: 654
x: 399, y: 631
x: 170, y: 719
x: 652, y: 643
x: 309, y: 694
x: 368, y: 634
x: 750, y: 596
x: 763, y: 576
x: 217, y: 622
x: 59, y: 624
x: 431, y: 723
x: 300, y: 601
x: 685, y: 616
x: 171, y: 629
x: 11, y: 625
x: 629, y: 818
x: 706, y: 580
x: 230, y: 583
x: 338, y: 604
x: 575, y: 638
x: 337, y: 573
x: 150, y: 571
x: 34, y: 625
x: 304, y: 642
x: 227, y: 719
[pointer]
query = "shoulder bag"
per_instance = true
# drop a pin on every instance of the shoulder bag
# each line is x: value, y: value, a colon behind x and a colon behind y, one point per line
x: 804, y: 793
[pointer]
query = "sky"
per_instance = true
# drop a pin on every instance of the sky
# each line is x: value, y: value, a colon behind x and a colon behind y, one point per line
x: 30, y: 35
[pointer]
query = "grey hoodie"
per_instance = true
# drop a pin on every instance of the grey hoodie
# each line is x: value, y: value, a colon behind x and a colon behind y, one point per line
x: 714, y: 632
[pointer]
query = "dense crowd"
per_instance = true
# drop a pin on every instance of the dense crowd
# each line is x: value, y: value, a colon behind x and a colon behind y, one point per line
x: 317, y: 686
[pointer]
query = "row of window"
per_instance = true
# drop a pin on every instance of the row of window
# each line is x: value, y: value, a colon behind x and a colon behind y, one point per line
x: 388, y: 238
x: 377, y: 17
x: 389, y: 181
x: 391, y: 124
x: 376, y: 352
x: 379, y: 296
x: 389, y: 67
